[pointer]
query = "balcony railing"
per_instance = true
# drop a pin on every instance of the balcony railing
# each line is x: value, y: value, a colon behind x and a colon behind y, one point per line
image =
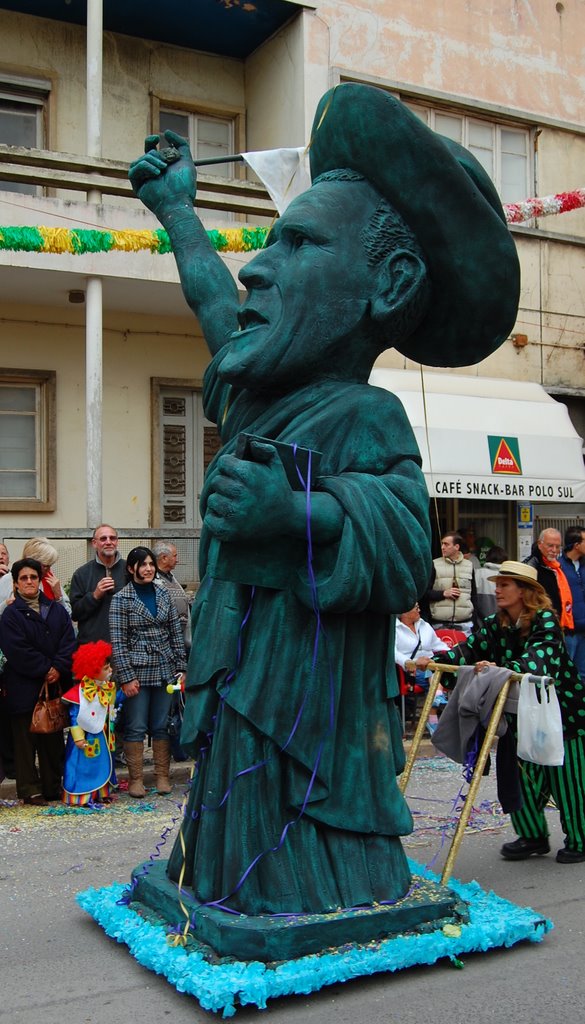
x: 110, y: 177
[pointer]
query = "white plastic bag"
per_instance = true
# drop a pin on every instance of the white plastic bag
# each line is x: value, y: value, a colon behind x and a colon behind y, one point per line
x: 540, y: 727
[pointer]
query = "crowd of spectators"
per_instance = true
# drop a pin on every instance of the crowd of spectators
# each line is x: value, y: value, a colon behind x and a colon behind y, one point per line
x: 137, y: 604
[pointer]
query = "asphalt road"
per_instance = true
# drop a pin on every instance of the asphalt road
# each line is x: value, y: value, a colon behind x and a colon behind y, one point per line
x: 57, y: 964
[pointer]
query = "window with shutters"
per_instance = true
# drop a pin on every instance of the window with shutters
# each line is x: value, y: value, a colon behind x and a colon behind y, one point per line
x: 27, y: 440
x: 23, y: 120
x: 184, y: 445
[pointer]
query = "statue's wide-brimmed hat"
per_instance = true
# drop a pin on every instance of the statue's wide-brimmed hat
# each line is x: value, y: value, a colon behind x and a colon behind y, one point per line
x: 519, y: 571
x: 447, y: 199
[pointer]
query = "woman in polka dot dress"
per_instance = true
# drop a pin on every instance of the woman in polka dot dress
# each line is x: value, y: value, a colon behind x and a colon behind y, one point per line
x: 524, y: 636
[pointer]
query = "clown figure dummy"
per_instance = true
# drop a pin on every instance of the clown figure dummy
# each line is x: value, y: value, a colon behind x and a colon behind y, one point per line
x: 88, y: 767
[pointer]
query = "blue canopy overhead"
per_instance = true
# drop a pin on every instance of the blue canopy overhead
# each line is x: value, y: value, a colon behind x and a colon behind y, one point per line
x: 229, y: 28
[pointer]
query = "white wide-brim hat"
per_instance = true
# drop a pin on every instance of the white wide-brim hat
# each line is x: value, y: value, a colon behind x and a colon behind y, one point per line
x: 520, y: 572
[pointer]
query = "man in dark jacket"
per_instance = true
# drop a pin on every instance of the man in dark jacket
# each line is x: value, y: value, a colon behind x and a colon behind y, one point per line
x: 573, y: 565
x: 37, y: 638
x: 544, y: 558
x: 94, y: 584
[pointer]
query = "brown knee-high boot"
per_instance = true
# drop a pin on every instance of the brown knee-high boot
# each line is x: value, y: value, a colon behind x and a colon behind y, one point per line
x: 161, y: 755
x: 134, y: 754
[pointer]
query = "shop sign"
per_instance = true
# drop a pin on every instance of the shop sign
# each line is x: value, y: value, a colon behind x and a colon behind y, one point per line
x: 484, y: 487
x: 505, y: 455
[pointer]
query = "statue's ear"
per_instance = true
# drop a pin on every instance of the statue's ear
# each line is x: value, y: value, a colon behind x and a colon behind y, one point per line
x: 401, y: 275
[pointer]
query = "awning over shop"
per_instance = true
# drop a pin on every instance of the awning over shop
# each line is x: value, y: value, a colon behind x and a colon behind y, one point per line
x: 486, y: 438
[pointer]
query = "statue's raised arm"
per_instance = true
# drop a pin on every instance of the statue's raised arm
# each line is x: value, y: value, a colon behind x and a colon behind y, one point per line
x: 165, y: 180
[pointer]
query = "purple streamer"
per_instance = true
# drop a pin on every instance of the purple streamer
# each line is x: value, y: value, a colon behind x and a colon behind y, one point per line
x: 319, y: 630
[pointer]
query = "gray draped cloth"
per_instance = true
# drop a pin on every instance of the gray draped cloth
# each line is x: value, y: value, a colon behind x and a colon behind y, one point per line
x: 466, y: 718
x: 470, y: 704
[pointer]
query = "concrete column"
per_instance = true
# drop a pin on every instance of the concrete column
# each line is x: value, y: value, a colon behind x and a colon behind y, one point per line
x: 94, y: 74
x: 93, y: 399
x: 94, y: 306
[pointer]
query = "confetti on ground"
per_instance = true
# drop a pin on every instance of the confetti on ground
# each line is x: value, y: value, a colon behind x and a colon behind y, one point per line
x: 147, y: 817
x: 436, y: 818
x: 437, y: 764
x: 440, y: 822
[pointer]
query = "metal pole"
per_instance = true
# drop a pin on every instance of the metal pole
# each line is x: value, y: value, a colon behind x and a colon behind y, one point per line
x: 219, y: 160
x: 424, y: 715
x: 94, y: 300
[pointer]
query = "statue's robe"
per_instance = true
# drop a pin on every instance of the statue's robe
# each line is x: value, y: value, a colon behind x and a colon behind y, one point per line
x: 294, y: 736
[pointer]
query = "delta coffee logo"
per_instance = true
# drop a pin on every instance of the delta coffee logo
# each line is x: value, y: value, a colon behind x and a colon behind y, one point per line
x: 505, y: 456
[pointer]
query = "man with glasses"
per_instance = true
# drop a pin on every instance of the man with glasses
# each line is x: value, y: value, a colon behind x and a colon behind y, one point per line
x: 94, y: 584
x: 545, y: 559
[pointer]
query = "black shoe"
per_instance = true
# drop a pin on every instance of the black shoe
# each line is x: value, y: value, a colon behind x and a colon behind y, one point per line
x: 568, y: 856
x: 521, y: 849
x: 36, y: 801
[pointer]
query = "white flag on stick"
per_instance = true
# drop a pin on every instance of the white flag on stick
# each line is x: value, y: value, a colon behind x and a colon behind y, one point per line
x: 284, y: 173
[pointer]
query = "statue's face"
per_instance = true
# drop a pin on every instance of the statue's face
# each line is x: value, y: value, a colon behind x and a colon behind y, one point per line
x: 308, y: 292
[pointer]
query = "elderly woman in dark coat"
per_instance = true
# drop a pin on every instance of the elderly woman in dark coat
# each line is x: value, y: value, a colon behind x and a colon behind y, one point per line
x: 37, y: 638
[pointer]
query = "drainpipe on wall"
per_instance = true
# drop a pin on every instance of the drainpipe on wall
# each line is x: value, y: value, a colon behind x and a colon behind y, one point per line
x: 94, y: 300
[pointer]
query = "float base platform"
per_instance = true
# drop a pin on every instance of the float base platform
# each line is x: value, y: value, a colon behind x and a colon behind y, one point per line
x: 476, y: 921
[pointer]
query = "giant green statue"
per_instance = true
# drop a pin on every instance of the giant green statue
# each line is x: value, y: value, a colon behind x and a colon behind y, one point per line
x: 400, y: 242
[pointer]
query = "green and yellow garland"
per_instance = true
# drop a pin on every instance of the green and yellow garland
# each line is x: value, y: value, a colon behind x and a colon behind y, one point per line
x: 79, y: 241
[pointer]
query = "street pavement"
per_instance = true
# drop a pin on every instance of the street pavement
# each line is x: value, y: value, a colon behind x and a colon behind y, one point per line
x: 57, y: 964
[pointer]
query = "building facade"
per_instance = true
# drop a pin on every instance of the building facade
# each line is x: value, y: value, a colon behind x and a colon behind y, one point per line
x: 101, y: 361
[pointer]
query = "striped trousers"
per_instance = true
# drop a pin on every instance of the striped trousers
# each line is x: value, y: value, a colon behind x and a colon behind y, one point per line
x: 566, y: 784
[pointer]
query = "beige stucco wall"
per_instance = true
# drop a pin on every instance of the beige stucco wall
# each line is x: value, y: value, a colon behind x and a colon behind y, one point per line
x: 284, y: 80
x: 516, y: 53
x: 135, y: 349
x: 274, y: 86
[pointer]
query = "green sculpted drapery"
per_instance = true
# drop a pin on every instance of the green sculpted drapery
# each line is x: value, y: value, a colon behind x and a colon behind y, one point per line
x: 343, y: 850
